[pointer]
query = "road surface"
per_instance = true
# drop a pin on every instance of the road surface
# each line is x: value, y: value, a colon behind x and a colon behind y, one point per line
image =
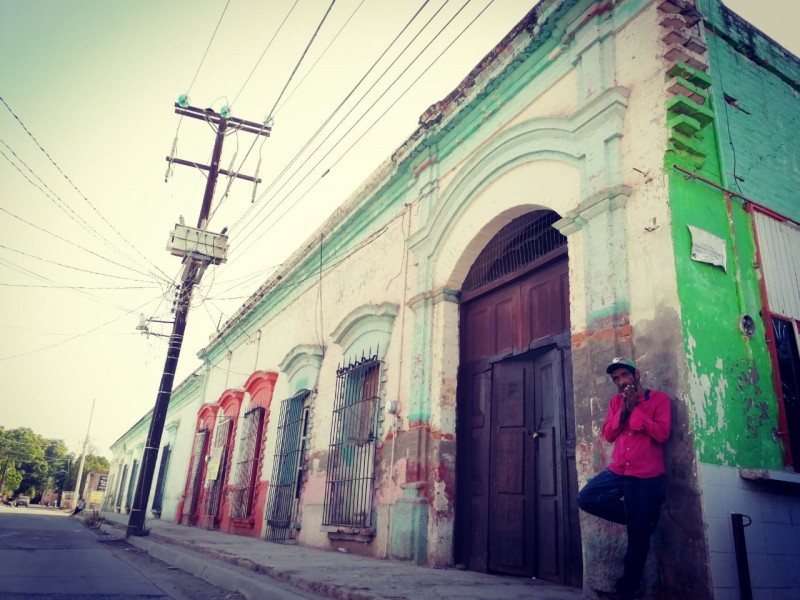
x: 45, y: 554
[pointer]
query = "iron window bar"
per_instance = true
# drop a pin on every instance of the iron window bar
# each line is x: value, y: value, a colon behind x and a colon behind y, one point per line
x: 351, y: 454
x: 158, y: 497
x: 195, y: 469
x: 131, y: 485
x: 216, y: 472
x: 287, y: 469
x: 246, y: 477
x: 518, y: 244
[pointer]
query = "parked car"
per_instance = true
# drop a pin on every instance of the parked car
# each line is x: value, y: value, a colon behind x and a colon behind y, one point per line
x: 22, y: 501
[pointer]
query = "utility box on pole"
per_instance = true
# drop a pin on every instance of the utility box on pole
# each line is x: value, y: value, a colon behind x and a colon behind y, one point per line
x: 198, y: 243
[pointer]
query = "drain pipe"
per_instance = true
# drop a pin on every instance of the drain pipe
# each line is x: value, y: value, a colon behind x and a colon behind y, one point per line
x: 740, y: 547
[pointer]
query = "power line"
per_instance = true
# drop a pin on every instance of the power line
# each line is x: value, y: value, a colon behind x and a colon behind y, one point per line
x: 75, y: 187
x: 335, y: 111
x: 79, y: 287
x: 266, y: 49
x: 71, y: 266
x: 324, y: 51
x: 26, y: 271
x: 55, y: 198
x: 302, y: 56
x: 367, y: 129
x: 74, y: 337
x: 268, y: 119
x: 113, y: 262
x: 208, y: 47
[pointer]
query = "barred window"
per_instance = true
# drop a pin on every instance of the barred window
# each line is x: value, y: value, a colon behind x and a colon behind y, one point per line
x: 351, y: 454
x: 121, y: 487
x: 195, y: 469
x: 514, y: 247
x: 216, y: 471
x: 246, y: 477
x: 287, y: 469
x: 158, y: 498
x: 131, y: 485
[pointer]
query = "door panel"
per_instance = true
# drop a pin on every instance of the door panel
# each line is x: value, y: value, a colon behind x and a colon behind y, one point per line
x: 512, y: 491
x: 478, y: 467
x: 548, y: 393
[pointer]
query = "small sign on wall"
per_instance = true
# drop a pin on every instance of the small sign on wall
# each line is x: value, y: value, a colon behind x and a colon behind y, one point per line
x: 212, y: 471
x: 708, y: 248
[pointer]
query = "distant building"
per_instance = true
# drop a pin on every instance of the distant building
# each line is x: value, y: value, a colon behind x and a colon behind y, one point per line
x: 423, y: 380
x: 94, y: 489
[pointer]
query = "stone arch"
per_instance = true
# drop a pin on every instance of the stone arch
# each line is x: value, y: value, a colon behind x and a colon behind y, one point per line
x: 484, y: 199
x: 301, y: 366
x: 366, y: 328
x: 573, y: 160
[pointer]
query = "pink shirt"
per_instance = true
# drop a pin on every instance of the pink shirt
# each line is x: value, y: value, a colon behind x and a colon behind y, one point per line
x: 638, y: 449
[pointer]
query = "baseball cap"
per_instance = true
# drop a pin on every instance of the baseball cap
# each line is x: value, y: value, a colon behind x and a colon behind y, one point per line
x: 620, y: 361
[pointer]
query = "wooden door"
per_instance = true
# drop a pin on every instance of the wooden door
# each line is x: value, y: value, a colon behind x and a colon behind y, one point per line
x: 516, y: 432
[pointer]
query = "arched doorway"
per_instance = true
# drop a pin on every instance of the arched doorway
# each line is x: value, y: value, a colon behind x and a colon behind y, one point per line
x: 516, y: 429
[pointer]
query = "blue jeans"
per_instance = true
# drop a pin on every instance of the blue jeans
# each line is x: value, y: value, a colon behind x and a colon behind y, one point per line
x: 631, y: 501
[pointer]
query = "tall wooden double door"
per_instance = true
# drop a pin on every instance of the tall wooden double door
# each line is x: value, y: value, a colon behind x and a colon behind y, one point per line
x: 517, y: 480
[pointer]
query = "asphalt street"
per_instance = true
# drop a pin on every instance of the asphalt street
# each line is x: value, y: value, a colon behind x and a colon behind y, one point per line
x: 46, y: 554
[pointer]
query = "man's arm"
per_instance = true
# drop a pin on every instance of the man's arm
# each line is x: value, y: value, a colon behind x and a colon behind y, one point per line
x: 657, y: 426
x: 615, y: 419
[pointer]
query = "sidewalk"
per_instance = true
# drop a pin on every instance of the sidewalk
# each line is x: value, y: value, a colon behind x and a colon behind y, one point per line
x: 311, y: 571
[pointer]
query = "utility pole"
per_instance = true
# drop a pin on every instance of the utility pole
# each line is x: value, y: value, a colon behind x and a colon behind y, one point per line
x: 194, y: 266
x: 83, y: 456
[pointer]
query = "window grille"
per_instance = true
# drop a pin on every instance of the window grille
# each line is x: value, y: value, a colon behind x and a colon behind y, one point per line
x: 351, y: 455
x: 216, y: 471
x: 195, y: 468
x: 789, y: 371
x: 121, y: 487
x: 131, y: 485
x: 518, y: 244
x: 287, y: 468
x: 246, y: 477
x: 111, y: 497
x: 158, y: 497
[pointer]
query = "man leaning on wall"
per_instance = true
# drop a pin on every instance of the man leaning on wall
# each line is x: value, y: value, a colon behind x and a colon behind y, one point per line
x: 631, y: 490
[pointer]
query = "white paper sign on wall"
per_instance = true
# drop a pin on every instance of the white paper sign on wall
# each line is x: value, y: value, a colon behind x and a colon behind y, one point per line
x: 708, y: 248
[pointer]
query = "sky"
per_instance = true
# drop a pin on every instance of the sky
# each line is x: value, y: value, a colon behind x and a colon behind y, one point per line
x: 88, y: 119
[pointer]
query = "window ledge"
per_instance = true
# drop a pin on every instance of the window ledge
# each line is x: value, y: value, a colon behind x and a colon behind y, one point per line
x: 353, y: 534
x: 770, y: 475
x: 248, y: 522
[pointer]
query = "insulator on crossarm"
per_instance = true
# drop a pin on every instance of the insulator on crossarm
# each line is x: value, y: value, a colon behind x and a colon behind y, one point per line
x: 255, y: 181
x: 171, y: 157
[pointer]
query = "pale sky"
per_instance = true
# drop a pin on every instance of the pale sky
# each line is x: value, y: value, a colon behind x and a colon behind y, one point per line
x: 83, y: 251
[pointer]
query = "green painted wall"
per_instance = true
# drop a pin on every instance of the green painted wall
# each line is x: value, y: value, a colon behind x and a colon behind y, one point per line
x: 759, y: 132
x: 730, y: 390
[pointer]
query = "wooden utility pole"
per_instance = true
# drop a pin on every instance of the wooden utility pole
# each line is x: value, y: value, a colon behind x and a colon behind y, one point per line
x: 192, y: 272
x: 78, y: 496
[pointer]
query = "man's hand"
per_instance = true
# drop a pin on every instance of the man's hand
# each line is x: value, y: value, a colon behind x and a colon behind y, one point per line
x: 631, y: 398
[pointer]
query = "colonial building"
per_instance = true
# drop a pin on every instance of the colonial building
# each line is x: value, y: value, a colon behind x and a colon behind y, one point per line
x: 424, y: 379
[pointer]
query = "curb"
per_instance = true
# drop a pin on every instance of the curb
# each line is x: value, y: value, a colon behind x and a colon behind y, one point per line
x: 206, y: 566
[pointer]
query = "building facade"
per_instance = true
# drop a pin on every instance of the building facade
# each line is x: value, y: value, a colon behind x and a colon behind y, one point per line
x: 424, y: 380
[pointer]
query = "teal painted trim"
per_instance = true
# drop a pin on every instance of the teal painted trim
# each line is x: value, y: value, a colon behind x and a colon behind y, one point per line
x: 600, y: 317
x: 422, y: 360
x: 379, y: 207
